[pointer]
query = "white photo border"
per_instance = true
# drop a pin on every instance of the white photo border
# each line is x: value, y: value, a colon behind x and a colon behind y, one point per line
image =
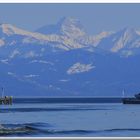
x: 70, y: 1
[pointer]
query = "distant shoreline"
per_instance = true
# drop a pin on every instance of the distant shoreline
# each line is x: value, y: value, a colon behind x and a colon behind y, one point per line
x: 67, y: 100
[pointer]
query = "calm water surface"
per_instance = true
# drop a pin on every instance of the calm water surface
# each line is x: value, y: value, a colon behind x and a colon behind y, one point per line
x: 70, y: 120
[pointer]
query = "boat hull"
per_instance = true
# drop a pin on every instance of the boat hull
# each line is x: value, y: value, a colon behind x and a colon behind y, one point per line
x: 130, y: 101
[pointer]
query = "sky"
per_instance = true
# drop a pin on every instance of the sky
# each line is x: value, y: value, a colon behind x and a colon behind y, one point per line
x: 94, y: 17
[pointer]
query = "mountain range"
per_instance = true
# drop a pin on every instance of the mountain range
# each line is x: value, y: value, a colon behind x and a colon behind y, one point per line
x: 64, y: 60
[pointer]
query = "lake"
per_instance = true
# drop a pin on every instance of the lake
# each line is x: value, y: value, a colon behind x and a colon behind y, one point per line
x: 63, y: 117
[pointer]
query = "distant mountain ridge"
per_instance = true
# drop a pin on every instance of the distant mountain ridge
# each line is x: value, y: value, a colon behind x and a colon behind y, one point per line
x: 63, y: 60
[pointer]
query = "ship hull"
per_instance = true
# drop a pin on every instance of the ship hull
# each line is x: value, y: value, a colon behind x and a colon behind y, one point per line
x: 130, y: 101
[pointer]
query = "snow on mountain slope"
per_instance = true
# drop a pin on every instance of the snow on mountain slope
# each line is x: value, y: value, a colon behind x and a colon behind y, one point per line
x: 79, y: 68
x: 72, y: 29
x: 125, y: 42
x: 126, y: 37
x: 95, y: 39
x: 69, y: 34
x: 67, y: 26
x: 11, y: 35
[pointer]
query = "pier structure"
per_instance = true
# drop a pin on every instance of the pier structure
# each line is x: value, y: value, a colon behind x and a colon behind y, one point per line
x: 7, y: 100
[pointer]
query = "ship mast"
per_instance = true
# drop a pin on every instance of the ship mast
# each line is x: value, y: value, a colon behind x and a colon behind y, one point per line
x: 2, y: 92
x: 123, y: 93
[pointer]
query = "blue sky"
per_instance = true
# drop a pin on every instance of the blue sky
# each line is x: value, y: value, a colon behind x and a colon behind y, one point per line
x: 94, y: 17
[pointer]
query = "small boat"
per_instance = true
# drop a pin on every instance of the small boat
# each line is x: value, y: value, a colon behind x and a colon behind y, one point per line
x: 137, y: 96
x: 6, y: 100
x: 133, y: 100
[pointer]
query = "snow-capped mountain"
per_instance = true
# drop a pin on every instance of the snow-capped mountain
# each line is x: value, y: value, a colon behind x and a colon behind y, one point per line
x: 11, y: 35
x: 63, y: 60
x: 125, y: 42
x: 69, y: 27
x: 73, y: 30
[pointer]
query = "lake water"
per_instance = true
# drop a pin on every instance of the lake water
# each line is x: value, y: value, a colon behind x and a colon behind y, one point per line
x: 37, y: 119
